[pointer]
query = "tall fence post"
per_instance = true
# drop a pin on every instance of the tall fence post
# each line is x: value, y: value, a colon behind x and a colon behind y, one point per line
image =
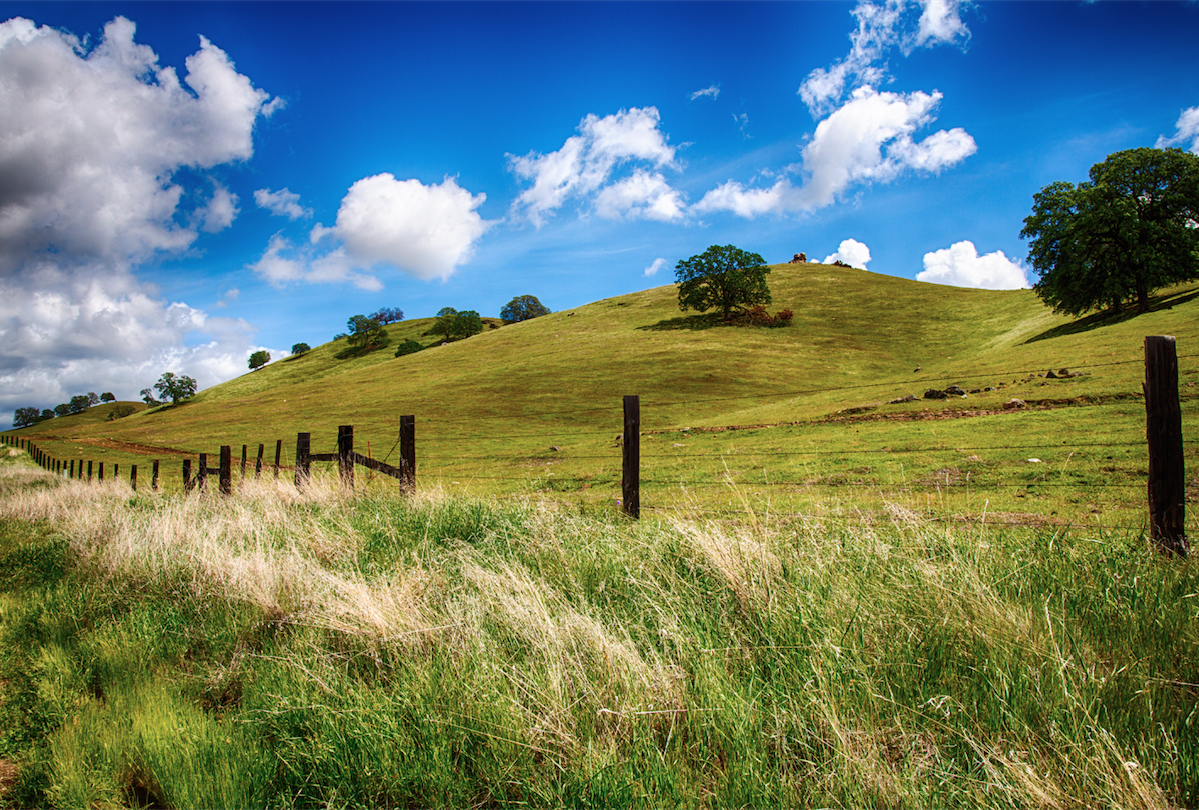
x: 133, y: 477
x: 154, y: 476
x: 1163, y: 433
x: 408, y: 452
x: 100, y: 477
x: 243, y: 462
x: 630, y: 484
x: 89, y: 469
x: 345, y: 455
x: 226, y: 480
x: 202, y: 473
x: 258, y: 463
x: 278, y: 455
x: 303, y: 443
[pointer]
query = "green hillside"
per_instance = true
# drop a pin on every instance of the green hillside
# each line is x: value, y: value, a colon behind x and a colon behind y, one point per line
x: 489, y: 408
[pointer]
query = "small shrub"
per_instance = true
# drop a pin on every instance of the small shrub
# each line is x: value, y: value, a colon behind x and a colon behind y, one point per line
x: 120, y: 412
x: 409, y: 346
x: 758, y: 316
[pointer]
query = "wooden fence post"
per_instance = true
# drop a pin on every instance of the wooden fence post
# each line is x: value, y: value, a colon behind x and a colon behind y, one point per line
x: 154, y: 476
x: 133, y: 477
x: 1163, y: 433
x: 303, y: 443
x: 278, y: 455
x: 243, y: 462
x: 226, y: 481
x: 89, y: 469
x: 630, y: 485
x: 408, y: 452
x: 187, y: 475
x: 258, y: 463
x: 345, y: 455
x: 202, y: 473
x: 116, y: 469
x: 100, y: 477
x: 72, y: 473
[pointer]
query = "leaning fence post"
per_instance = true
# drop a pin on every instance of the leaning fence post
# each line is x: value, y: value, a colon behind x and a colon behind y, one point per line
x: 408, y: 452
x: 1163, y: 433
x: 258, y: 463
x: 303, y: 443
x: 226, y: 480
x: 345, y: 455
x: 630, y: 485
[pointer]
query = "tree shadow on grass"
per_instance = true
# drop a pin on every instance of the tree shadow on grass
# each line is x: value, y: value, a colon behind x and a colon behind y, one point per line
x: 693, y: 323
x: 1101, y: 319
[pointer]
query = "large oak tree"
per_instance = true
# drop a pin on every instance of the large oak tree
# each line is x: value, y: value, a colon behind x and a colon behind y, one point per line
x: 723, y: 278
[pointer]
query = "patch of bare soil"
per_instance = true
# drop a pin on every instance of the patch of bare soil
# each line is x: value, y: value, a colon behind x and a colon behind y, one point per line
x: 8, y: 777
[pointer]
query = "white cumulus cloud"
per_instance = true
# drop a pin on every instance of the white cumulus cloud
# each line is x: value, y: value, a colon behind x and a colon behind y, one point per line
x: 642, y: 195
x: 653, y: 269
x: 869, y: 139
x: 852, y: 252
x: 959, y: 265
x: 282, y: 203
x: 1186, y: 132
x: 587, y: 161
x: 881, y: 28
x: 91, y: 143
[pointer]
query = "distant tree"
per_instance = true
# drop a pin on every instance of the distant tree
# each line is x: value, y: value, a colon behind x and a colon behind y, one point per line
x: 452, y: 324
x: 409, y: 346
x: 80, y: 403
x: 723, y: 278
x: 120, y: 412
x: 175, y: 388
x: 300, y: 348
x: 93, y: 399
x: 339, y: 336
x: 108, y: 396
x: 24, y: 417
x: 386, y: 315
x: 259, y: 359
x: 46, y: 414
x: 522, y: 308
x: 63, y: 410
x: 366, y: 333
x: 147, y: 395
x: 1128, y: 231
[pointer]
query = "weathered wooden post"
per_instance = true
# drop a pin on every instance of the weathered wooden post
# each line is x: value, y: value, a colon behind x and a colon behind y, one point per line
x: 408, y: 452
x: 345, y: 455
x: 116, y: 469
x: 1163, y: 433
x: 188, y: 483
x: 243, y: 462
x: 133, y: 477
x: 89, y: 469
x: 258, y: 463
x: 154, y: 477
x: 72, y: 473
x: 630, y: 485
x: 100, y: 477
x: 278, y: 455
x: 202, y: 473
x: 303, y: 444
x: 226, y: 480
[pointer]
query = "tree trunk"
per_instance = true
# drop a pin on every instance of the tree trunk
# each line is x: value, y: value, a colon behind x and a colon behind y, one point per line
x: 1142, y: 295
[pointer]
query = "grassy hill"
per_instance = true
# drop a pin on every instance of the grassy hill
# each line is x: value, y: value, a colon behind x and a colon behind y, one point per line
x: 489, y: 408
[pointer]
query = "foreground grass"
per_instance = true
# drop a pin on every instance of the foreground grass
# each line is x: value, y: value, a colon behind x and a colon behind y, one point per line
x: 315, y: 650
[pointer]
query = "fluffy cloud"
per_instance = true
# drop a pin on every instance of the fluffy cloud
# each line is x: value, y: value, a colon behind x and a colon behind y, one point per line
x: 282, y: 203
x: 852, y: 252
x: 1186, y: 132
x: 642, y: 195
x: 586, y: 162
x: 653, y: 269
x: 960, y: 266
x: 90, y: 145
x: 882, y: 27
x: 869, y: 139
x: 712, y: 91
x: 426, y: 232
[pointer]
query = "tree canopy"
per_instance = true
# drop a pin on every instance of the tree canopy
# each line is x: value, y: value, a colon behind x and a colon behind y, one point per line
x: 523, y: 308
x: 175, y: 388
x: 24, y: 417
x: 723, y: 278
x: 259, y: 359
x: 300, y: 348
x: 366, y: 333
x: 453, y: 324
x: 386, y: 315
x: 1127, y: 231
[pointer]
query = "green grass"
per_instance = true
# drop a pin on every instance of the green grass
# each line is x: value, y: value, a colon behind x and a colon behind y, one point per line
x: 490, y: 408
x: 278, y: 650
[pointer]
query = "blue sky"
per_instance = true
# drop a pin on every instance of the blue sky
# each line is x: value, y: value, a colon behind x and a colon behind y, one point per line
x: 184, y: 183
